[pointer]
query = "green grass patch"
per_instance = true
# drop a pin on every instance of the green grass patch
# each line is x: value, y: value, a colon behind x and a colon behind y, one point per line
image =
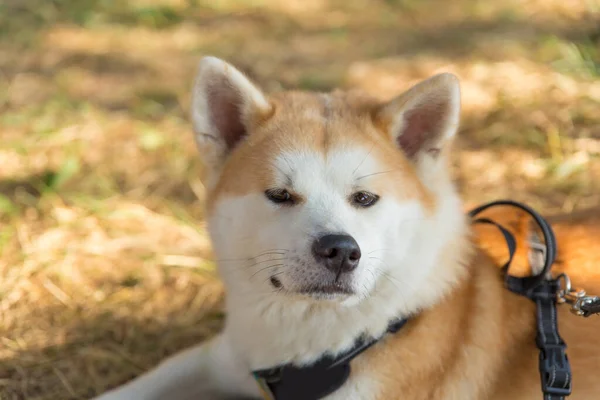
x: 54, y: 180
x: 580, y: 58
x: 7, y: 208
x: 37, y: 15
x: 151, y: 139
x: 319, y: 82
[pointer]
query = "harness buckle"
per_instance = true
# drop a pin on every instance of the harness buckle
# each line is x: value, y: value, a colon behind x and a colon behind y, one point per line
x: 554, y: 370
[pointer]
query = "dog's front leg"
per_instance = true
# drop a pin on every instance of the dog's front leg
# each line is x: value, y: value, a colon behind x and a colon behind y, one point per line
x: 208, y: 371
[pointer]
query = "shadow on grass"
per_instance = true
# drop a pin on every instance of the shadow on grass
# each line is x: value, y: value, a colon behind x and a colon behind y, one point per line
x: 27, y: 192
x: 31, y: 187
x: 322, y: 52
x: 95, y: 352
x: 38, y: 15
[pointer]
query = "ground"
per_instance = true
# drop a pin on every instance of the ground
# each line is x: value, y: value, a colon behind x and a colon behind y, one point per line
x: 105, y: 266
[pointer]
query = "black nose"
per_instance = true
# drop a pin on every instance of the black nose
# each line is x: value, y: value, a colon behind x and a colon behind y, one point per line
x: 339, y: 253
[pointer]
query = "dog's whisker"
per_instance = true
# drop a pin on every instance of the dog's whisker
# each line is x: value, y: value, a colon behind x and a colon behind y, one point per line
x: 382, y: 249
x: 375, y: 173
x: 372, y: 274
x: 268, y: 252
x: 250, y: 266
x: 262, y: 262
x: 363, y: 160
x: 391, y: 280
x: 363, y: 295
x: 394, y: 280
x: 264, y: 269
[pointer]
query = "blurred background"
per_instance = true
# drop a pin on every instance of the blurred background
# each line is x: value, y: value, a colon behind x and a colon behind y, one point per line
x: 105, y: 267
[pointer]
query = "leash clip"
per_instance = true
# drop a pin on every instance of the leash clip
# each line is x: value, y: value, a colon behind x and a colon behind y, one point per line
x: 581, y: 304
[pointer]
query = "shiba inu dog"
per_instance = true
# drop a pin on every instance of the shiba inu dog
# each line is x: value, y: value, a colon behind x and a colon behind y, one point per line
x: 332, y: 215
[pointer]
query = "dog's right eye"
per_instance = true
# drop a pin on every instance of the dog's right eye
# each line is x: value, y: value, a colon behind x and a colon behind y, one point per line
x: 279, y: 196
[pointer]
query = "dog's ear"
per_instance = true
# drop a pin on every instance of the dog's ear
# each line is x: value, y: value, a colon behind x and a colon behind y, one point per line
x: 225, y: 107
x: 425, y: 118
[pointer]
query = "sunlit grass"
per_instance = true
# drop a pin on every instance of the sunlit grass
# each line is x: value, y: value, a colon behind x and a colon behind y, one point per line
x: 105, y: 264
x: 582, y: 58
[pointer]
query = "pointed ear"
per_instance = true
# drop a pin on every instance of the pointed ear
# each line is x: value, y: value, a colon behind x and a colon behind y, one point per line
x: 225, y: 107
x: 424, y: 119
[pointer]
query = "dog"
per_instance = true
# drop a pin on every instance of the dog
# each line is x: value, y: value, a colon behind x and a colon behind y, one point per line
x: 332, y: 214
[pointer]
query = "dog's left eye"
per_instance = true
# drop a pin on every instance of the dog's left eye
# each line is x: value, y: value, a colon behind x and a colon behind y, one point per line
x: 279, y: 196
x: 364, y: 199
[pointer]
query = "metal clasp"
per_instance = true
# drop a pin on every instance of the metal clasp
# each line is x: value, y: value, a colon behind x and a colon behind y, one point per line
x: 576, y: 298
x: 581, y: 303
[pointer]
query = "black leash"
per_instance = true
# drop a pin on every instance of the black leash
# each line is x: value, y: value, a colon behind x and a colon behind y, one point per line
x: 555, y: 370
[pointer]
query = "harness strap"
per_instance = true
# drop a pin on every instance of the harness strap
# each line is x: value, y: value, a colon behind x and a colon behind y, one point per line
x: 315, y: 381
x: 525, y: 285
x: 555, y: 371
x: 511, y: 243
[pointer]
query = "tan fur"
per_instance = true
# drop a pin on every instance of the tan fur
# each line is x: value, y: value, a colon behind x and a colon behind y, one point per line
x: 348, y: 121
x: 480, y: 342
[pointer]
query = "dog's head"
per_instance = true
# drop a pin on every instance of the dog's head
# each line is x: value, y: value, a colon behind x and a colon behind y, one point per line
x: 323, y: 196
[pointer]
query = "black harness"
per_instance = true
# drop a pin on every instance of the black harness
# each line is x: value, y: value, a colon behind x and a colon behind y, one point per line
x: 315, y: 381
x: 555, y: 370
x: 328, y: 374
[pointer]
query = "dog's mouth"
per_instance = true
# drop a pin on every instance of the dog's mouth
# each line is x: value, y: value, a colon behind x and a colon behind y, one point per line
x: 335, y: 288
x: 328, y: 290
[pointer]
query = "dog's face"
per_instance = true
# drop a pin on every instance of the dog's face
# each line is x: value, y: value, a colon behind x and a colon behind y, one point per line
x: 318, y: 195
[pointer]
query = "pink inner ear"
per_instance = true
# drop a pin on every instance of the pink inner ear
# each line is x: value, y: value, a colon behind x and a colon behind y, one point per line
x: 422, y: 126
x: 225, y: 111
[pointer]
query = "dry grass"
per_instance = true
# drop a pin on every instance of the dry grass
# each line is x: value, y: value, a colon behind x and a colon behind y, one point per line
x: 104, y: 263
